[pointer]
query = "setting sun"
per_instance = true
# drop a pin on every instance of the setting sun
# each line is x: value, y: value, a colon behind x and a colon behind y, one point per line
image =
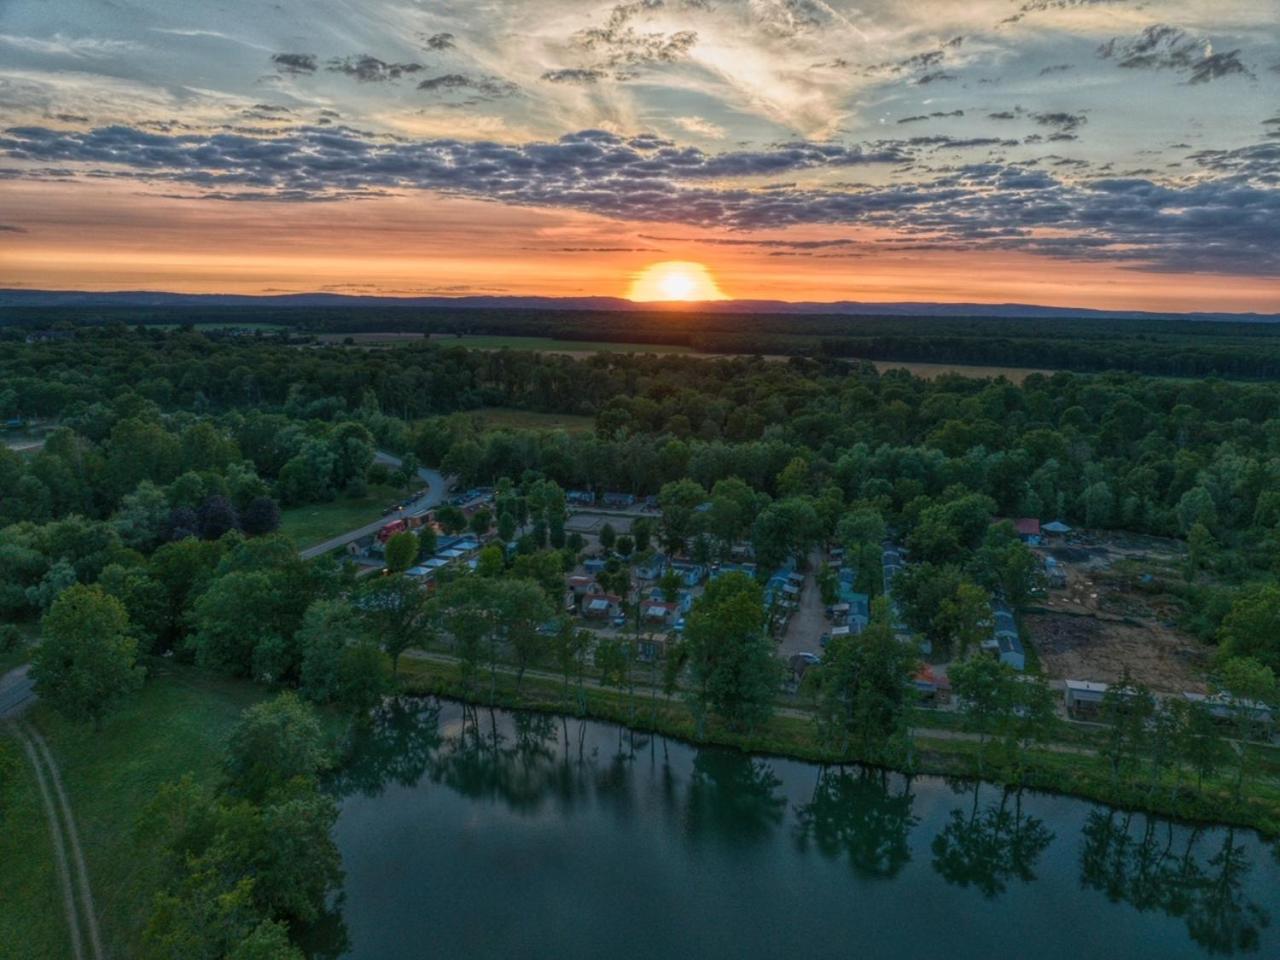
x: 675, y: 280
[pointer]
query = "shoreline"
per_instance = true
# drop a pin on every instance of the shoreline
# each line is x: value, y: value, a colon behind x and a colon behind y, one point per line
x: 791, y: 738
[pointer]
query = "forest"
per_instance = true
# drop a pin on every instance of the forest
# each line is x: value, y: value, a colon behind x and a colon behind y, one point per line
x: 1173, y: 346
x: 145, y: 525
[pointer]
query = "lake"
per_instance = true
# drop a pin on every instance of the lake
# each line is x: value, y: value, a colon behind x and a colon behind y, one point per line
x: 470, y: 833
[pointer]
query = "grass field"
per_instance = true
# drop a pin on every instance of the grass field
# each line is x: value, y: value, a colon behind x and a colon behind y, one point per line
x: 176, y: 725
x: 548, y: 345
x: 530, y: 420
x: 317, y: 522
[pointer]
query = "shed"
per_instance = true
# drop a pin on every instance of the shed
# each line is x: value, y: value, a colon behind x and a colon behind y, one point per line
x: 1055, y: 528
x: 1084, y: 697
x: 1028, y: 529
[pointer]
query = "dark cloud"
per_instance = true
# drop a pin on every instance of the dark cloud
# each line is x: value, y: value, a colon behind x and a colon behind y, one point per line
x: 1003, y: 115
x: 11, y: 228
x: 1165, y: 47
x: 1060, y: 119
x: 1218, y: 65
x: 936, y: 115
x: 367, y: 69
x: 575, y: 75
x: 485, y: 87
x: 1040, y: 6
x: 1056, y: 68
x: 934, y: 77
x: 1227, y: 219
x: 440, y: 41
x: 71, y: 117
x: 620, y: 47
x: 295, y: 63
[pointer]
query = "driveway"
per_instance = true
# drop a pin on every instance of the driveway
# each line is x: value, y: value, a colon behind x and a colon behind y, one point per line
x: 17, y: 692
x: 809, y: 622
x: 437, y: 490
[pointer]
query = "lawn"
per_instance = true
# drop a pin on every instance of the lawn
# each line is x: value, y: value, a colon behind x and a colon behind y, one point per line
x: 549, y: 345
x: 176, y: 725
x: 529, y: 420
x: 316, y: 522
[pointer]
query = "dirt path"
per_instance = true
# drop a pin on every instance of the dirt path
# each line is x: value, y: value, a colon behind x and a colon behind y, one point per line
x: 81, y: 916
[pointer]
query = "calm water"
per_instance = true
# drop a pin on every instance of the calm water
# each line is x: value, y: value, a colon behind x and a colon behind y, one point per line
x: 474, y: 834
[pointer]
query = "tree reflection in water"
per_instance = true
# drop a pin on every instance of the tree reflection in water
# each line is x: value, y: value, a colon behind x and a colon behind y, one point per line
x: 1158, y: 867
x: 736, y: 802
x: 732, y: 797
x: 990, y: 846
x: 856, y: 814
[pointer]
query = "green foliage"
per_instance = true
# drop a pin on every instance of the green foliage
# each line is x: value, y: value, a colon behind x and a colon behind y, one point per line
x: 402, y: 551
x: 730, y: 655
x: 1252, y: 627
x: 863, y: 688
x: 274, y: 743
x: 87, y: 660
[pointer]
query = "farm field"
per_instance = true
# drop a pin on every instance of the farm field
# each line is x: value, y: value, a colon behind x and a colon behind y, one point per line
x: 551, y: 345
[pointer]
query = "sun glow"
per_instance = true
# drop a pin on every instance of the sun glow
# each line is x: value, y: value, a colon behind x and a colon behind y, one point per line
x: 673, y: 280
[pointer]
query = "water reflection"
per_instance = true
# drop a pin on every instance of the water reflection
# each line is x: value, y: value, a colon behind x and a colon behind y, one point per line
x: 859, y: 815
x: 990, y: 846
x: 720, y: 805
x: 1151, y: 865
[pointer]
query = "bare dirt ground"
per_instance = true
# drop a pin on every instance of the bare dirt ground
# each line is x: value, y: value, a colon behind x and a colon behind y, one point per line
x: 1112, y: 615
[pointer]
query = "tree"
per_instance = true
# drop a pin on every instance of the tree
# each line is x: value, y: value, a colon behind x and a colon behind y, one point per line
x: 142, y: 516
x: 1006, y: 565
x: 506, y: 527
x: 1253, y: 694
x: 451, y: 519
x: 1127, y: 709
x: 730, y: 655
x: 1252, y: 628
x: 642, y: 531
x: 489, y: 562
x: 521, y: 608
x: 480, y: 522
x: 215, y: 517
x: 608, y: 536
x: 339, y: 663
x: 260, y: 517
x: 570, y: 645
x: 86, y: 662
x: 784, y: 530
x: 980, y: 687
x: 402, y: 551
x: 964, y: 618
x: 864, y: 687
x: 272, y: 743
x: 427, y: 543
x: 625, y: 546
x: 396, y: 614
x: 678, y: 501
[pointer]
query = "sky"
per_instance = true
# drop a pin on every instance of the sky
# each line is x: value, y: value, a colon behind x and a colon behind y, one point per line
x: 1101, y: 153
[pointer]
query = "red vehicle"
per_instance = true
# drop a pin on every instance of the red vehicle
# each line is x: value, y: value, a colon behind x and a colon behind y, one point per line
x: 391, y: 529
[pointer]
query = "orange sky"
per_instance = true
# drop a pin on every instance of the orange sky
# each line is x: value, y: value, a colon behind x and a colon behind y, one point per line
x: 114, y: 237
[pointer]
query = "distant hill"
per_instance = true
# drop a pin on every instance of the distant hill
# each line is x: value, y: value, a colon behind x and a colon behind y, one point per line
x: 148, y: 298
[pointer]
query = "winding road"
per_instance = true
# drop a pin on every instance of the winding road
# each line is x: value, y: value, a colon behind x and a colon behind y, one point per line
x: 437, y: 490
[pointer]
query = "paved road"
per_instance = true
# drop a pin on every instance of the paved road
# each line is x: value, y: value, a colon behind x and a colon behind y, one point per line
x: 17, y: 692
x: 437, y: 490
